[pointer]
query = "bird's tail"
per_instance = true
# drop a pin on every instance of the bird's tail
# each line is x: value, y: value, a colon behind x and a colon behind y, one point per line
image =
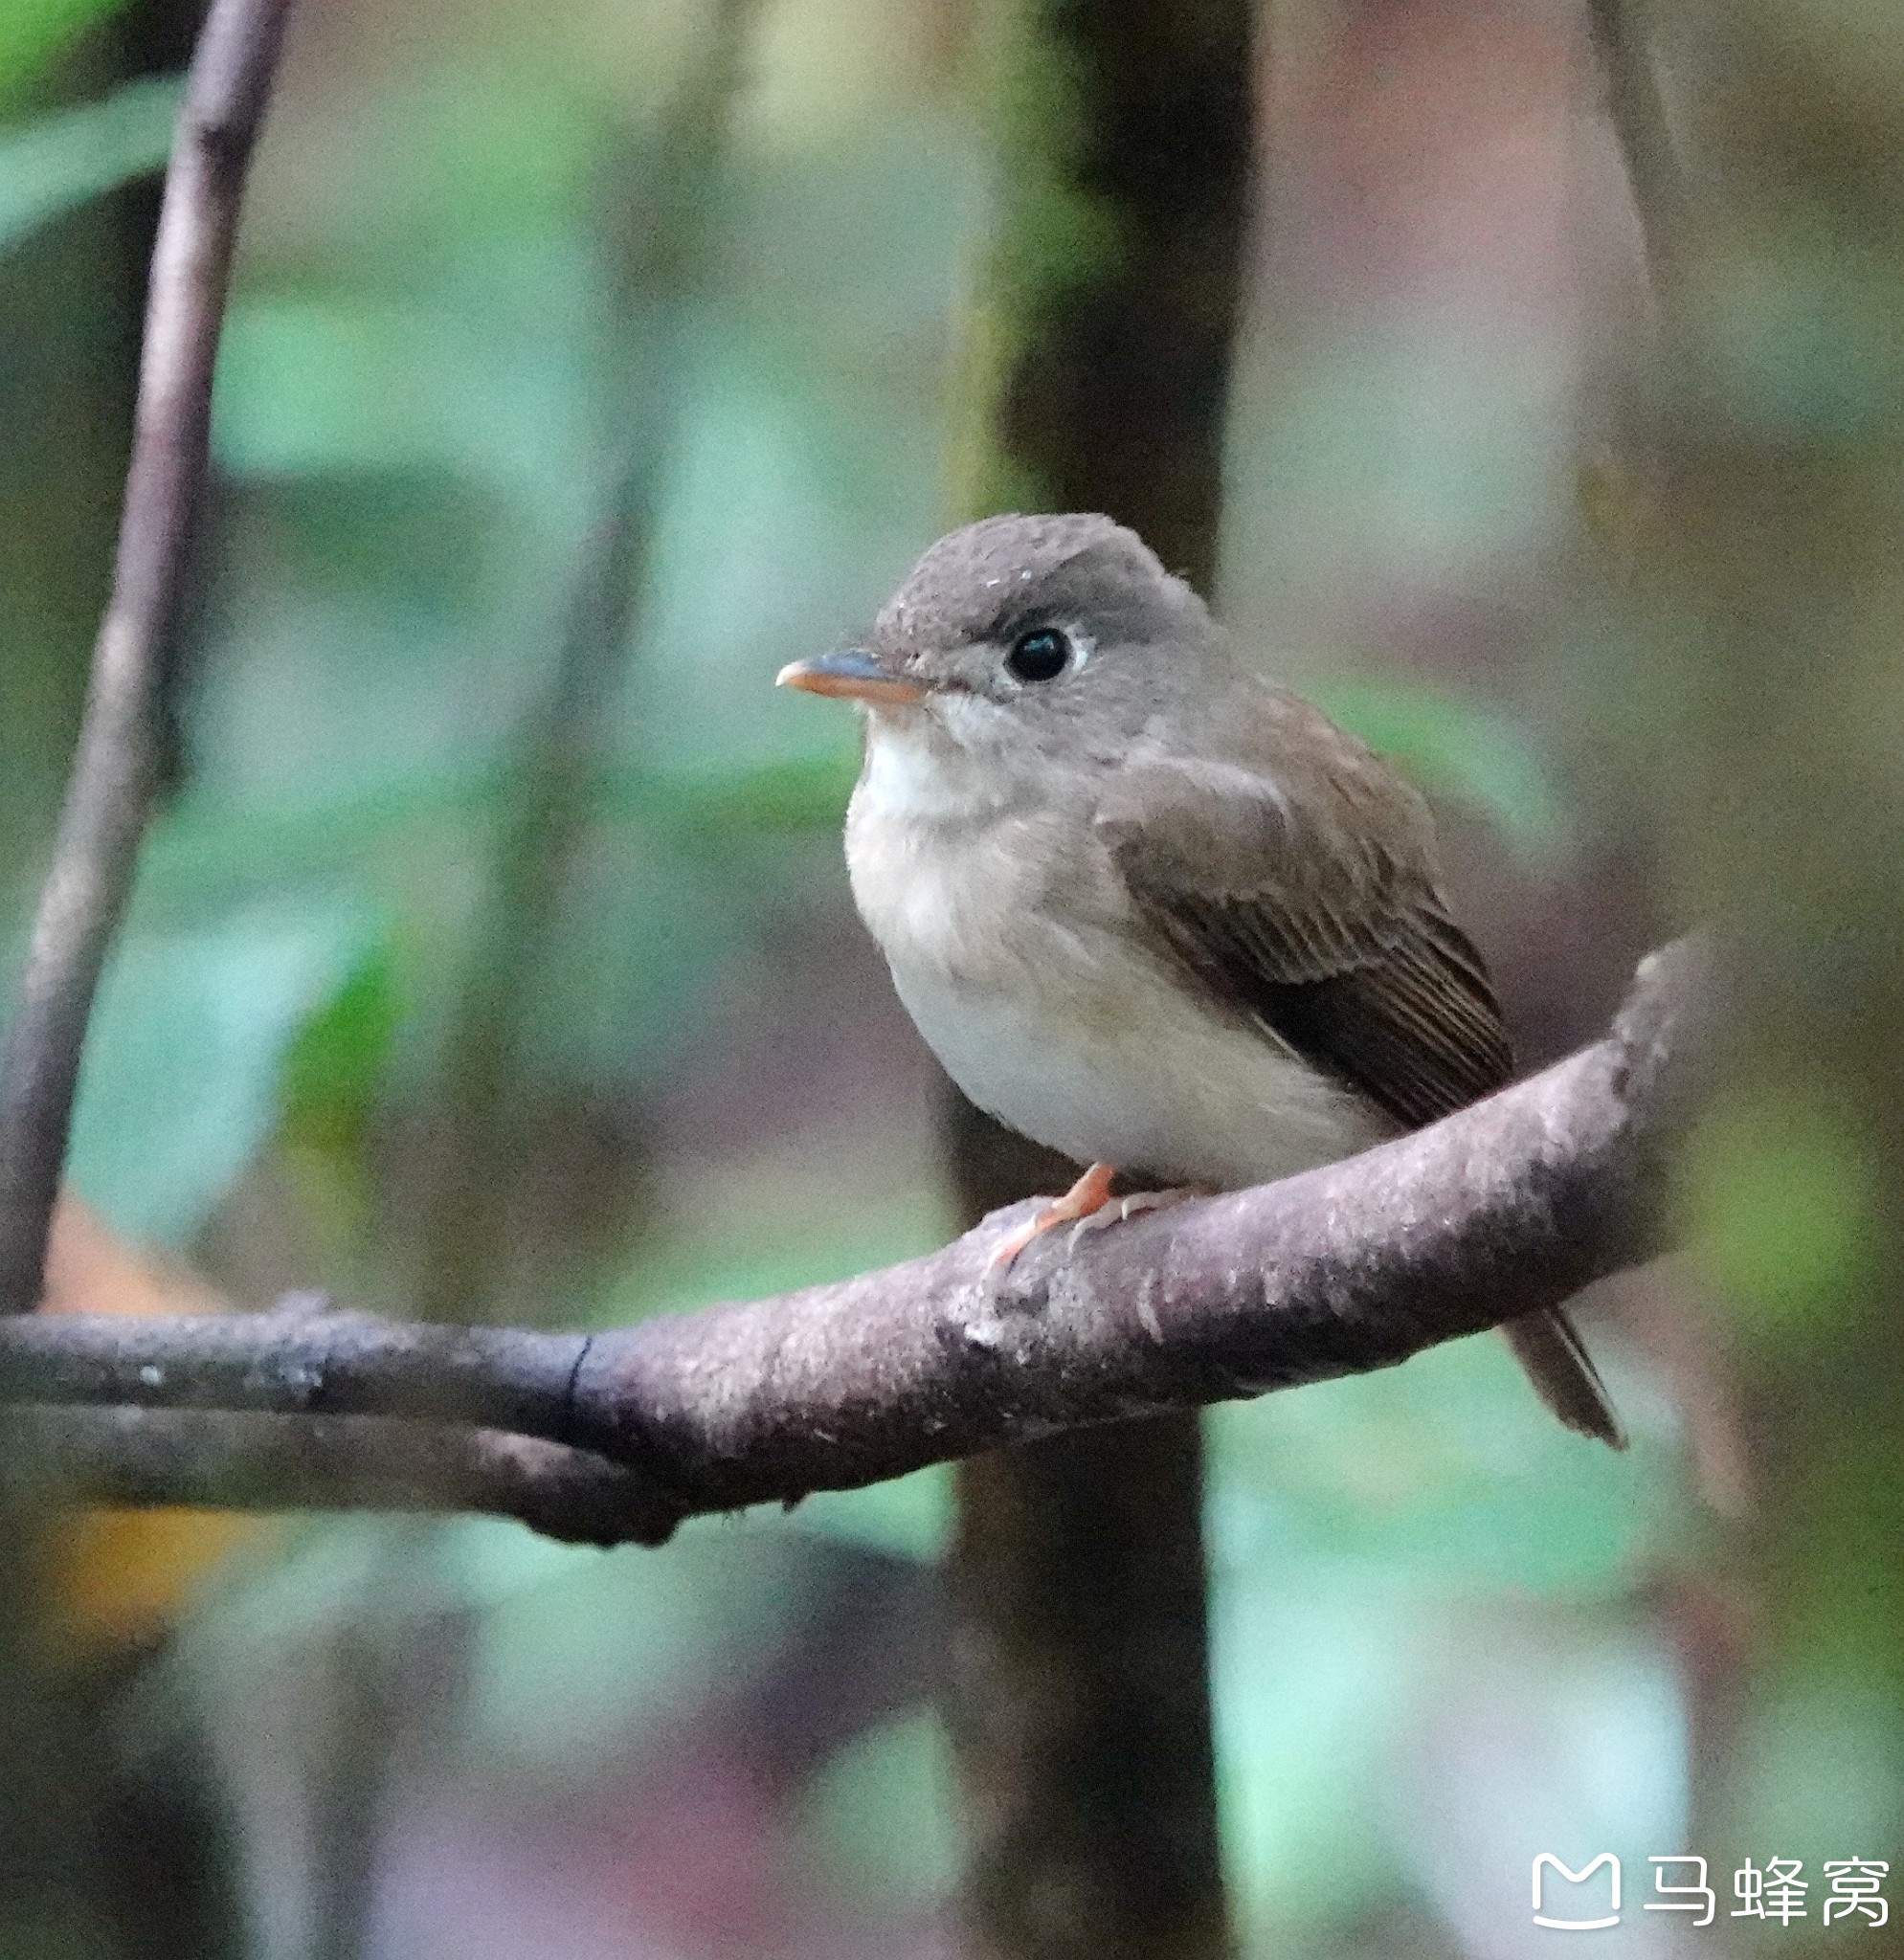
x: 1549, y: 1348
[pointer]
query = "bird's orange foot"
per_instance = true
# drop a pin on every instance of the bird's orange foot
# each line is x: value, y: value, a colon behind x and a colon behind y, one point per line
x: 1089, y: 1196
x: 1128, y: 1205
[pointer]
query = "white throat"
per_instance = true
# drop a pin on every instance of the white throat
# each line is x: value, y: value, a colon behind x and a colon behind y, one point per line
x: 949, y: 763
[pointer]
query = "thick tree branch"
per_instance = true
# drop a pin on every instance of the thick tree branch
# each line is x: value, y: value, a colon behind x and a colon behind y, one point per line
x: 109, y: 798
x: 1512, y: 1204
x: 217, y: 1461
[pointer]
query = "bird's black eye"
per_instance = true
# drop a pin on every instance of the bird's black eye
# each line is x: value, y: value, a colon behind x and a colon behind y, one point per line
x: 1041, y: 655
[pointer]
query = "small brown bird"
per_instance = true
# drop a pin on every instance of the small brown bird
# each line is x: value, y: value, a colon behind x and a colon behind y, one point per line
x: 1147, y: 907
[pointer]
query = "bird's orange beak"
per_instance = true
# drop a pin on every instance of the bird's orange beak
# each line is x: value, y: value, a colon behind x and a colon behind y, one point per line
x: 853, y: 673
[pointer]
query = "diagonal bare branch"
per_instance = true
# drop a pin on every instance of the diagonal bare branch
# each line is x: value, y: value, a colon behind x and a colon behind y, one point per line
x: 108, y: 800
x: 1510, y: 1205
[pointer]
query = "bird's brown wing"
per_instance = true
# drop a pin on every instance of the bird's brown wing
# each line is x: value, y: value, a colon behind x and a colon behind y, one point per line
x: 1312, y: 910
x: 1305, y: 900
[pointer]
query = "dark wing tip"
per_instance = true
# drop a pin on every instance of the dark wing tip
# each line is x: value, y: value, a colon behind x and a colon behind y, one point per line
x: 1554, y: 1359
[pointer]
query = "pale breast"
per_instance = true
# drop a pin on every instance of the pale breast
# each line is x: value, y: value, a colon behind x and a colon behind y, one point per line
x: 1149, y: 1083
x: 1008, y: 941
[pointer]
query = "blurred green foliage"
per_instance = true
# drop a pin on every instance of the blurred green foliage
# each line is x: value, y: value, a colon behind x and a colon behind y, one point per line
x: 34, y: 31
x: 880, y: 1809
x: 75, y: 154
x: 1782, y: 1205
x: 183, y: 1076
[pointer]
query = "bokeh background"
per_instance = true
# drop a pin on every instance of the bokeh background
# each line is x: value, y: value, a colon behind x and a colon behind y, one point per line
x: 586, y: 363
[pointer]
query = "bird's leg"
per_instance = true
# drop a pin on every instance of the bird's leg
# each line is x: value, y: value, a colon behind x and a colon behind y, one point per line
x: 1090, y: 1194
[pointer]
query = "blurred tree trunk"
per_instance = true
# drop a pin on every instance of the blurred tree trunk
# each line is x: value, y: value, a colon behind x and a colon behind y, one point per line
x: 1782, y: 690
x: 1097, y: 376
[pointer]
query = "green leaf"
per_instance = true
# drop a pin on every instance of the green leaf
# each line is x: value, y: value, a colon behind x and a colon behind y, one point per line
x: 31, y: 32
x: 76, y: 154
x: 355, y: 384
x: 335, y: 1063
x: 180, y: 1084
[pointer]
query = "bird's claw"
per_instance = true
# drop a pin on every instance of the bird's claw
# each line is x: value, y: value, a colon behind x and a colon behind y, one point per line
x: 1090, y: 1194
x: 1087, y: 1207
x: 1129, y: 1206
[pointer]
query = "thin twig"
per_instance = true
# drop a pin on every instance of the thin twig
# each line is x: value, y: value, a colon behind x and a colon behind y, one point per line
x: 108, y: 801
x: 562, y: 747
x: 1637, y: 110
x: 1511, y: 1204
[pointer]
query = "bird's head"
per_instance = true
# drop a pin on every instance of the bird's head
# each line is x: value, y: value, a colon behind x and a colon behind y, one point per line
x: 1024, y: 631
